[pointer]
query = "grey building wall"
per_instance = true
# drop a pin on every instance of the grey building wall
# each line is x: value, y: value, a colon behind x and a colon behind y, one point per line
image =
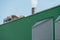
x: 43, y: 31
x: 57, y: 25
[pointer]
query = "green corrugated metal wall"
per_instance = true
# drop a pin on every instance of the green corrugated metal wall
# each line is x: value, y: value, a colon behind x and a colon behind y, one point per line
x: 21, y: 29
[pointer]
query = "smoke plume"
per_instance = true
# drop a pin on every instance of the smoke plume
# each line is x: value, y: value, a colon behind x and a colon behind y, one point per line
x: 34, y: 3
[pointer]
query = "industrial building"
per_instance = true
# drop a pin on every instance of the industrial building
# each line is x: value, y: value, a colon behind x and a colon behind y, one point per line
x: 43, y: 25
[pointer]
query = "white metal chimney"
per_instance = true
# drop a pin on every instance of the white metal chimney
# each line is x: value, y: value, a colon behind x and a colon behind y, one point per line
x: 34, y: 4
x: 33, y: 10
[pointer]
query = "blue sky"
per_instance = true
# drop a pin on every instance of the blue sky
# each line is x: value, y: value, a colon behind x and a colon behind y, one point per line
x: 23, y: 7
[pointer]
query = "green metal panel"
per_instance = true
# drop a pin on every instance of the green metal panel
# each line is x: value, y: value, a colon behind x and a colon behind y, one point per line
x: 21, y: 29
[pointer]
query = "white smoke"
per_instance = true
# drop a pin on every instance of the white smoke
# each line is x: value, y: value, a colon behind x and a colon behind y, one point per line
x: 34, y: 3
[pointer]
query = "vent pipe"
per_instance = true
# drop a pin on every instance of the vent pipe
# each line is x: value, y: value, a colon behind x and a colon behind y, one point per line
x: 33, y: 10
x: 34, y: 5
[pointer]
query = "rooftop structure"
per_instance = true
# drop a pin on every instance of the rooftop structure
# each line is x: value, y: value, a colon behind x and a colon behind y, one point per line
x: 11, y: 18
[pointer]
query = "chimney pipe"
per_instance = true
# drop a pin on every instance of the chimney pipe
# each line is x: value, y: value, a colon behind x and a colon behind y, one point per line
x: 33, y: 10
